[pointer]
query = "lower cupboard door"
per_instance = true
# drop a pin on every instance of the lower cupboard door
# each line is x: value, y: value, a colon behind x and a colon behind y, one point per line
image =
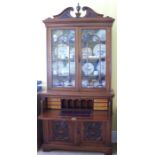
x: 93, y: 132
x: 61, y: 132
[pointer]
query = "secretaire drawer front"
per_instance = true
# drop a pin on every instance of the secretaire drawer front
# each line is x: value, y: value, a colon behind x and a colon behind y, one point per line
x: 100, y: 104
x: 54, y: 103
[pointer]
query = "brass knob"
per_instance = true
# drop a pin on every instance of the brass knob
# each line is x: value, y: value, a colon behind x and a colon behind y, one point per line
x: 73, y: 118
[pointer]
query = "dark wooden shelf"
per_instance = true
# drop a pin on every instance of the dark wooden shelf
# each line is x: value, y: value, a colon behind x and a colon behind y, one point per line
x: 57, y: 115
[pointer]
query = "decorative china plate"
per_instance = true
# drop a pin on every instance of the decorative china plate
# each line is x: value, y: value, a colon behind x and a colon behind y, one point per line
x: 60, y: 69
x: 102, y: 35
x: 85, y: 83
x: 57, y: 34
x: 72, y: 53
x: 88, y: 68
x: 101, y: 66
x: 72, y: 67
x: 57, y: 67
x: 86, y: 52
x: 69, y: 83
x: 62, y: 51
x: 100, y: 49
x: 97, y: 84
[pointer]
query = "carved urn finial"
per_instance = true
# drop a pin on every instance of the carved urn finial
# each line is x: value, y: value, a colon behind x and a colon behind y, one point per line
x: 78, y: 14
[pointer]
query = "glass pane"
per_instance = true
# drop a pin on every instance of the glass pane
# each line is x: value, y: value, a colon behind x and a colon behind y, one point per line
x: 93, y: 55
x: 63, y: 58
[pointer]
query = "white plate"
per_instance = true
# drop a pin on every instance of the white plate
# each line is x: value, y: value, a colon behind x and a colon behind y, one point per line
x: 84, y: 83
x: 86, y: 52
x: 88, y: 68
x: 72, y: 67
x: 102, y: 35
x: 101, y: 65
x: 64, y: 71
x: 57, y: 67
x: 60, y: 69
x: 69, y: 84
x: 72, y: 53
x: 99, y: 48
x: 62, y: 51
x: 56, y: 34
x: 97, y: 84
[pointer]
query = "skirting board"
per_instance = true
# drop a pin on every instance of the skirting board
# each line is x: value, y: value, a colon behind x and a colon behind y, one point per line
x: 114, y: 136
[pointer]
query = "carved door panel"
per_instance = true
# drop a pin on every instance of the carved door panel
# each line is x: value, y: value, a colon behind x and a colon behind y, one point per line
x: 61, y: 132
x: 93, y: 132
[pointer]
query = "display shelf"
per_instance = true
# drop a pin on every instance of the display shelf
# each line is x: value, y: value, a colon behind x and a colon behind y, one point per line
x: 93, y: 59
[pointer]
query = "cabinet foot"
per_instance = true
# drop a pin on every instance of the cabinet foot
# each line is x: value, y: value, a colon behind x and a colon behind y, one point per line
x: 47, y: 150
x: 109, y: 153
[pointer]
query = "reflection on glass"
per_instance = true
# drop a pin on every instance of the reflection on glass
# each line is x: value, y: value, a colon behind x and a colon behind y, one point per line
x: 63, y: 58
x: 93, y: 54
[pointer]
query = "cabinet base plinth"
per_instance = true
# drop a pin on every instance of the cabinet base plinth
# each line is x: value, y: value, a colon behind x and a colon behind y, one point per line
x: 106, y: 150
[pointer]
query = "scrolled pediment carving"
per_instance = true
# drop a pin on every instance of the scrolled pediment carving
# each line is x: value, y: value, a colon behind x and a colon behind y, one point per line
x: 89, y: 13
x: 81, y: 14
x: 65, y: 13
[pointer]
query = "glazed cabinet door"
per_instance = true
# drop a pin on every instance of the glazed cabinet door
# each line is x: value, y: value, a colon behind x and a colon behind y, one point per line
x: 62, y: 58
x: 79, y: 58
x: 58, y: 132
x: 93, y: 52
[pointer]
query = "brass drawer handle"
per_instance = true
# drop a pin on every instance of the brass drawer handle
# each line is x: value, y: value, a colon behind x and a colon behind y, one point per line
x: 73, y: 118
